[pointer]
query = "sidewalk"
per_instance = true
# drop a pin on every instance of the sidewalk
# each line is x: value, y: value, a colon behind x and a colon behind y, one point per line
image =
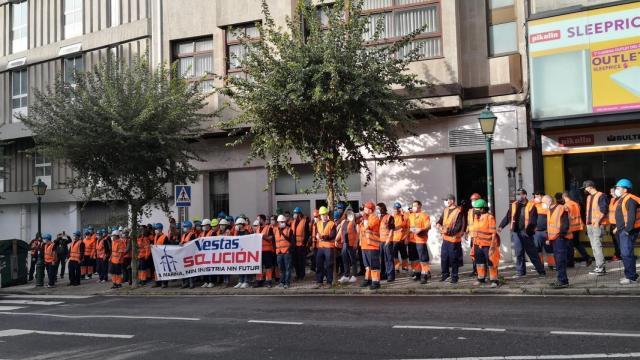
x: 581, y: 283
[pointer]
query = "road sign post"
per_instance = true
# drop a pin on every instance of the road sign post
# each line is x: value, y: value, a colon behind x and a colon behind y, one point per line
x: 183, y: 201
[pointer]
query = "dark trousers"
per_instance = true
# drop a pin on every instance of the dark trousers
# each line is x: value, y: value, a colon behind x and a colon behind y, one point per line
x: 450, y: 255
x: 577, y: 244
x: 560, y: 254
x: 62, y: 262
x: 74, y: 272
x: 627, y: 243
x: 360, y: 261
x: 32, y: 267
x: 616, y: 241
x: 383, y: 262
x: 51, y: 273
x: 324, y: 265
x: 389, y: 256
x: 349, y: 260
x: 284, y: 263
x: 400, y: 248
x: 298, y: 260
x: 523, y: 243
x: 540, y: 239
x: 371, y: 259
x: 126, y: 271
x: 103, y: 268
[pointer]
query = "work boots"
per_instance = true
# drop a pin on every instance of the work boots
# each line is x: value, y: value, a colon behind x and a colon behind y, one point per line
x: 366, y: 283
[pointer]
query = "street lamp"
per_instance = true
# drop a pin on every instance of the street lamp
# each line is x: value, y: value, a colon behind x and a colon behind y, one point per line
x: 488, y: 122
x: 39, y: 189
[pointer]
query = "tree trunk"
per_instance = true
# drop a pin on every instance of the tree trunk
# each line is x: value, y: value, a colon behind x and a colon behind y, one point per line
x: 330, y: 186
x: 134, y: 211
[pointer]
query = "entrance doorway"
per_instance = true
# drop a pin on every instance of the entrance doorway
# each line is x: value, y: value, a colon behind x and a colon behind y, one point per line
x: 471, y: 176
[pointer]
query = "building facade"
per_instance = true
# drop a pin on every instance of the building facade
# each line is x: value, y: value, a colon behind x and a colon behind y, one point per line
x: 474, y: 54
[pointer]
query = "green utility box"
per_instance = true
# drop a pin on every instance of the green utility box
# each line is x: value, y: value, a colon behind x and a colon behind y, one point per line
x: 13, y: 262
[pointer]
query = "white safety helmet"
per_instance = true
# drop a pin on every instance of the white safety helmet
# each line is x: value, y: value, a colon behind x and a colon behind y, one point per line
x: 240, y: 221
x: 256, y: 223
x: 115, y: 233
x: 282, y: 218
x: 223, y: 222
x: 206, y: 222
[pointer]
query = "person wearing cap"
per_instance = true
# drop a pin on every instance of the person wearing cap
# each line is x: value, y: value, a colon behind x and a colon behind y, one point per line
x: 419, y: 225
x: 348, y: 239
x: 558, y: 233
x: 76, y: 254
x: 370, y: 245
x: 400, y: 239
x: 469, y: 234
x: 521, y: 219
x: 451, y: 226
x: 284, y: 243
x: 596, y: 217
x: 486, y: 246
x: 325, y: 244
x: 300, y: 227
x: 188, y: 234
x: 241, y: 230
x: 575, y: 227
x: 540, y: 235
x: 387, y: 228
x: 116, y: 262
x: 35, y: 246
x: 627, y: 228
x: 50, y: 257
x: 160, y: 239
x: 144, y: 253
x: 63, y: 240
x: 103, y: 251
x: 89, y: 260
x: 268, y: 250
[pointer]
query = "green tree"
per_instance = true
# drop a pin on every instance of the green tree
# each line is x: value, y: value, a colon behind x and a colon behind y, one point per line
x: 323, y: 93
x: 125, y: 131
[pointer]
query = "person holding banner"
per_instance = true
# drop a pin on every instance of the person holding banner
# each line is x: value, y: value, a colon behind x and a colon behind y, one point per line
x: 325, y: 237
x: 160, y: 240
x: 268, y: 250
x: 188, y: 234
x: 241, y: 230
x: 224, y: 230
x: 285, y: 238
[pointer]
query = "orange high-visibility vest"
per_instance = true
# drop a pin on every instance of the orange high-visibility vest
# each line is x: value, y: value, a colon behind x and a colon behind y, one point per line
x: 575, y: 221
x: 527, y: 210
x: 554, y: 221
x: 449, y: 220
x: 187, y: 237
x: 282, y: 240
x: 419, y: 221
x: 50, y: 255
x: 592, y: 205
x: 371, y: 239
x: 100, y: 250
x: 267, y: 245
x: 483, y: 228
x: 385, y: 232
x: 144, y: 251
x: 352, y: 232
x: 612, y: 211
x: 118, y: 249
x: 401, y: 224
x: 74, y: 252
x: 161, y: 239
x: 625, y: 213
x: 300, y: 227
x: 324, y: 229
x: 89, y: 246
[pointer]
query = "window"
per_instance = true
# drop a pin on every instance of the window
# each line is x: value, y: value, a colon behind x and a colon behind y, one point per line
x: 502, y: 27
x: 235, y: 51
x: 285, y: 184
x: 400, y: 18
x: 43, y: 168
x: 538, y: 6
x: 19, y: 26
x: 72, y: 66
x: 72, y: 18
x: 218, y: 192
x: 19, y: 93
x: 195, y: 61
x: 114, y: 13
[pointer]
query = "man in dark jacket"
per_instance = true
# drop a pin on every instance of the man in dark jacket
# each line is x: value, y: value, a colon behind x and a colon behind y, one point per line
x: 62, y: 241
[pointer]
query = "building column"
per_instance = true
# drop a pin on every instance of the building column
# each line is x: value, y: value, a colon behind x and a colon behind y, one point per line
x: 25, y: 222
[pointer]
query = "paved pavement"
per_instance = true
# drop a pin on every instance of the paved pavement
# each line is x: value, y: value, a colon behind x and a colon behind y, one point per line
x: 318, y: 327
x: 581, y: 283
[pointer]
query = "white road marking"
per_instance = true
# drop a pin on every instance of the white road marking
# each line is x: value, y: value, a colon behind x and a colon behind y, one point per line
x: 275, y: 322
x: 543, y: 357
x: 446, y: 328
x: 584, y: 333
x: 10, y: 308
x: 17, y: 332
x: 102, y: 316
x: 31, y: 302
x: 47, y: 296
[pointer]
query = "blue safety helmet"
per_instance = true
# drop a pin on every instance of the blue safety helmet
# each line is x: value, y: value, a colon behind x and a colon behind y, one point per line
x: 230, y: 219
x: 157, y: 226
x: 87, y: 231
x: 336, y: 215
x: 625, y: 183
x: 77, y: 233
x: 47, y: 237
x: 297, y: 211
x: 187, y: 224
x: 222, y: 215
x: 340, y: 206
x: 397, y: 205
x: 90, y: 228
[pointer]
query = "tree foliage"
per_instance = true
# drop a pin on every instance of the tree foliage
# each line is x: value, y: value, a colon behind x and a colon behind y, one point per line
x: 320, y: 92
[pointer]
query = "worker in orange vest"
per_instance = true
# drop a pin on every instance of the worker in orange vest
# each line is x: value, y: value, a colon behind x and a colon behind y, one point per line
x: 313, y: 227
x: 76, y: 256
x: 370, y: 245
x: 284, y: 239
x: 627, y: 228
x: 103, y: 249
x: 160, y: 239
x: 540, y: 235
x: 88, y: 264
x: 558, y: 232
x: 188, y: 234
x: 575, y: 227
x: 144, y: 253
x: 521, y: 219
x: 387, y: 228
x: 348, y: 238
x: 325, y: 243
x: 300, y: 227
x: 468, y: 234
x: 419, y: 225
x: 451, y: 226
x: 611, y: 220
x: 265, y: 278
x: 34, y: 246
x: 50, y: 258
x: 400, y: 238
x: 127, y: 271
x: 116, y: 261
x: 482, y: 226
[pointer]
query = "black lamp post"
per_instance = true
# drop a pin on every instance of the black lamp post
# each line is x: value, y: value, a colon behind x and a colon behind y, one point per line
x: 488, y: 122
x: 39, y: 189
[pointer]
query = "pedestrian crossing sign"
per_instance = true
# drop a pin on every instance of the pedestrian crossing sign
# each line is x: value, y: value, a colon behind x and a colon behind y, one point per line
x: 183, y: 195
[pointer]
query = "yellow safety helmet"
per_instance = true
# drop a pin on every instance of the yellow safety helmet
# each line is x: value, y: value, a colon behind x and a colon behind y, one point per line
x: 323, y: 210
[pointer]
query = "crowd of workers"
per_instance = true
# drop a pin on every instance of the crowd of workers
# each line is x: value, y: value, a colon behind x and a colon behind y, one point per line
x: 371, y: 242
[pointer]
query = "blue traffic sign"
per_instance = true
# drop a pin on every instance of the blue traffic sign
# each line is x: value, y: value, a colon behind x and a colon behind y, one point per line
x: 183, y: 195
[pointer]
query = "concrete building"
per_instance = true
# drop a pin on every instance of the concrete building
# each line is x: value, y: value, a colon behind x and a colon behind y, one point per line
x: 475, y: 53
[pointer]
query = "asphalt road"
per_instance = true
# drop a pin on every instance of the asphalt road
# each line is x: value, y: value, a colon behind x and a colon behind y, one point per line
x: 322, y: 327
